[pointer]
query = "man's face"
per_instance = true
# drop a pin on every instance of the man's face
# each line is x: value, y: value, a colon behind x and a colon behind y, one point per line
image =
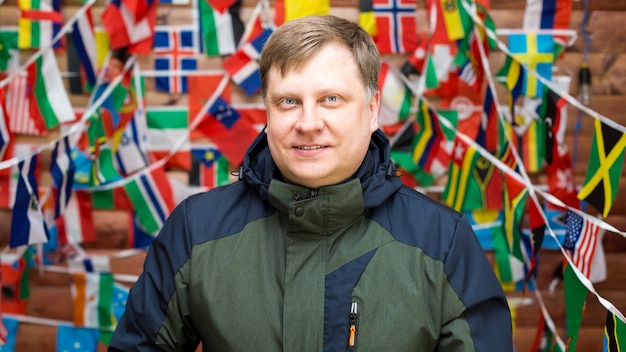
x: 319, y: 121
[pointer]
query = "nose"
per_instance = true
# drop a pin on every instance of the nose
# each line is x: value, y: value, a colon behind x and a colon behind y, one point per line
x: 310, y: 119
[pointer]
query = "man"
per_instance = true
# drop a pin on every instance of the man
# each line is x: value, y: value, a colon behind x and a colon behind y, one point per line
x: 318, y: 246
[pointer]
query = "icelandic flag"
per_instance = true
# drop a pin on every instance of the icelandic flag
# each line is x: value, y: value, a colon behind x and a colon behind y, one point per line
x: 62, y: 171
x: 27, y: 221
x: 243, y: 66
x: 175, y: 49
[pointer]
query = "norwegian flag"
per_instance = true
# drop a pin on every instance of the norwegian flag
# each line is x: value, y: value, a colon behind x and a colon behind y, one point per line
x: 397, y: 25
x: 243, y: 66
x: 580, y: 238
x: 175, y: 49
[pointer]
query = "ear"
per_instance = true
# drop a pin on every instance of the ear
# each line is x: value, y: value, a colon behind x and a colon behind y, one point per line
x: 374, y: 108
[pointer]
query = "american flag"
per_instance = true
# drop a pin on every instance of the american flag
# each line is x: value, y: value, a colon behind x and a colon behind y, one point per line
x: 580, y: 239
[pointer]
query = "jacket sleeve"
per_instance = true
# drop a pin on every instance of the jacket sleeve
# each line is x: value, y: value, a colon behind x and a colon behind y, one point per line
x: 156, y: 316
x: 485, y: 321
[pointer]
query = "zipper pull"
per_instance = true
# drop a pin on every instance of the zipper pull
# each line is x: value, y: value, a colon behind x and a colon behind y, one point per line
x: 354, y: 315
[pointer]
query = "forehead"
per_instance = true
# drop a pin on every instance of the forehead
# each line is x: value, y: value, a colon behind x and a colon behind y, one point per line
x: 332, y: 62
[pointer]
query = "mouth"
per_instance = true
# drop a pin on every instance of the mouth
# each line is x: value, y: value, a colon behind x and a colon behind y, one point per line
x: 310, y: 147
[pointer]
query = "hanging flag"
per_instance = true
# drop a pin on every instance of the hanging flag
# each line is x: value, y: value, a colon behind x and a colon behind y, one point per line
x: 535, y: 51
x: 533, y: 149
x: 132, y: 153
x: 17, y: 108
x: 243, y: 66
x: 472, y: 180
x: 49, y: 103
x: 151, y: 195
x: 606, y: 161
x: 287, y: 10
x: 512, y: 76
x: 76, y: 339
x: 6, y: 137
x: 549, y: 14
x: 76, y: 224
x: 84, y: 40
x: 92, y: 298
x: 130, y: 24
x: 115, y: 198
x: 487, y: 135
x: 220, y: 31
x: 62, y: 171
x: 209, y: 168
x: 174, y: 50
x: 168, y: 135
x: 39, y: 22
x: 550, y: 111
x: 561, y: 183
x: 102, y: 46
x: 367, y: 17
x: 9, y: 53
x: 428, y: 136
x: 614, y: 333
x: 227, y: 130
x: 508, y: 252
x: 10, y: 329
x: 575, y: 298
x: 396, y: 22
x: 27, y: 222
x: 396, y: 97
x: 454, y: 19
x: 544, y: 338
x: 414, y: 64
x: 537, y: 233
x: 580, y: 240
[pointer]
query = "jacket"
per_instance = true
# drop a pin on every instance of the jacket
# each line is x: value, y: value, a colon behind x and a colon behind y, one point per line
x: 366, y: 265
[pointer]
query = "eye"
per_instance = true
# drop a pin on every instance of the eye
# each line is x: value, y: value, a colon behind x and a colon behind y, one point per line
x: 332, y: 98
x: 289, y: 101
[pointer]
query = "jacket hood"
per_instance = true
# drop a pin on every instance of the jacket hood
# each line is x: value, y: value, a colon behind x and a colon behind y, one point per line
x: 377, y: 172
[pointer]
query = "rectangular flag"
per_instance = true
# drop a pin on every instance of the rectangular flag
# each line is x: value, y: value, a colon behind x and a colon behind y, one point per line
x: 396, y: 22
x: 130, y: 24
x: 27, y: 221
x: 9, y: 53
x: 227, y: 130
x: 209, y: 168
x: 614, y: 333
x: 220, y: 31
x: 396, y: 97
x: 132, y: 153
x: 92, y: 297
x: 548, y: 14
x: 6, y: 137
x: 168, y: 135
x: 174, y: 50
x: 151, y: 195
x: 606, y: 162
x: 287, y: 10
x: 243, y: 66
x: 76, y: 225
x: 463, y: 160
x: 49, y: 103
x: 39, y: 22
x: 428, y: 138
x: 551, y: 111
x: 367, y: 17
x: 560, y: 172
x: 115, y: 198
x: 536, y: 51
x: 512, y: 76
x: 76, y: 339
x: 84, y: 40
x: 580, y: 240
x: 62, y: 171
x: 18, y: 106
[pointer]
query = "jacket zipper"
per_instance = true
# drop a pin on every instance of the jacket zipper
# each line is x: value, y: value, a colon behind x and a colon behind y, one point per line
x: 354, y: 323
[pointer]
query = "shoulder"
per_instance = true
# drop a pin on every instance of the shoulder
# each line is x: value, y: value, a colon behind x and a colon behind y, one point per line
x: 418, y: 220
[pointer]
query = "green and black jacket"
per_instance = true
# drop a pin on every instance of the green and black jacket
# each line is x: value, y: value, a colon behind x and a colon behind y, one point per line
x: 367, y: 265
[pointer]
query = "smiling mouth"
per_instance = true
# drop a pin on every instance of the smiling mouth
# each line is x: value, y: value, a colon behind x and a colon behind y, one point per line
x: 311, y: 147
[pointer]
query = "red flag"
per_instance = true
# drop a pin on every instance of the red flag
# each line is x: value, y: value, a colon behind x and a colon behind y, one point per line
x: 561, y: 182
x: 225, y: 127
x: 130, y: 23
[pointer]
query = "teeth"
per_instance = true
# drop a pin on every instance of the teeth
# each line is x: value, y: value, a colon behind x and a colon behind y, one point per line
x: 311, y: 147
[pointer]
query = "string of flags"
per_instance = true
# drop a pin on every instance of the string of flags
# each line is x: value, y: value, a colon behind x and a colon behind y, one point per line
x: 115, y: 153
